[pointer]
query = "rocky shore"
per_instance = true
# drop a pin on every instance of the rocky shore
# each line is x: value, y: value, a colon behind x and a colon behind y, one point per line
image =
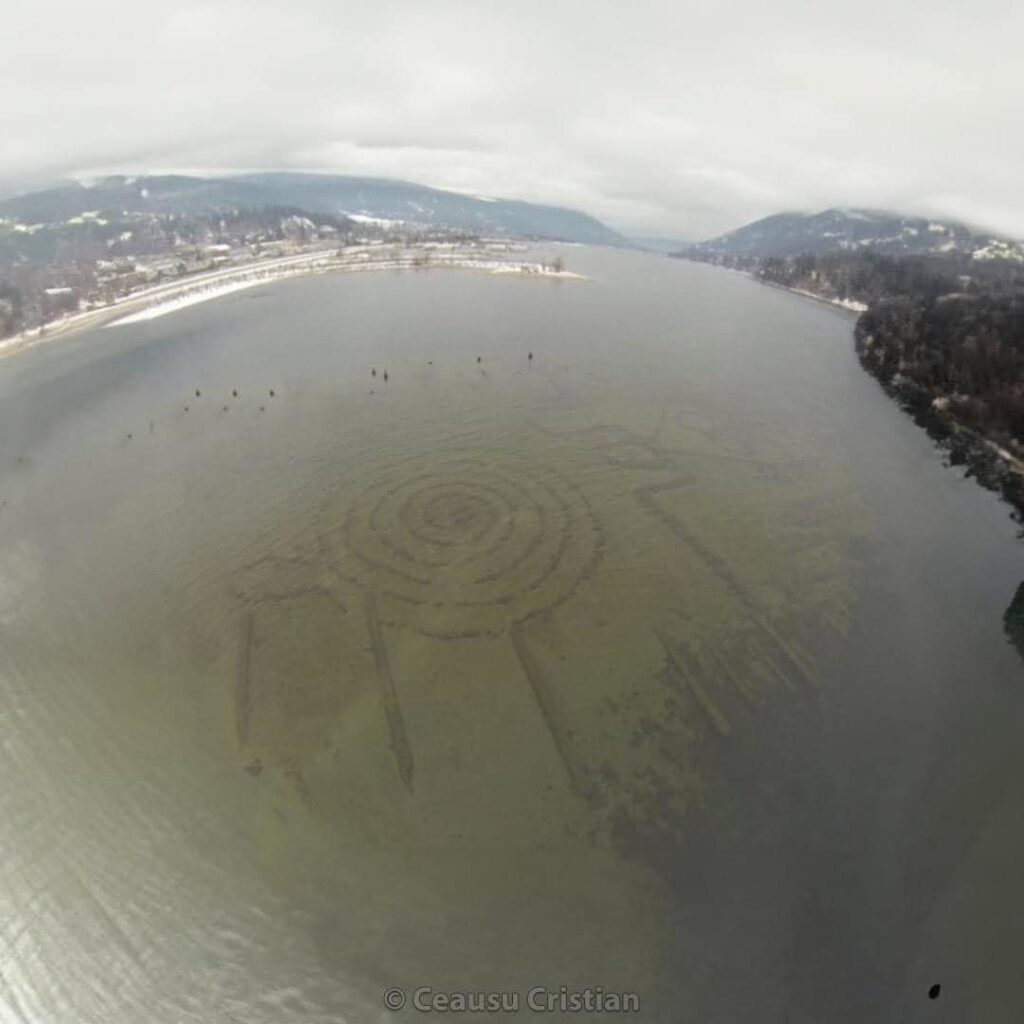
x: 993, y: 465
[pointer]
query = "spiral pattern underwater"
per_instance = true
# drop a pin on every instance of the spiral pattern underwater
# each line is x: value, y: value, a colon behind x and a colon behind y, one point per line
x: 470, y: 544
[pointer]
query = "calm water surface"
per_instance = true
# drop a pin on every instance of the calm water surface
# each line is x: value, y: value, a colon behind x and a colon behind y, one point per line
x: 668, y: 661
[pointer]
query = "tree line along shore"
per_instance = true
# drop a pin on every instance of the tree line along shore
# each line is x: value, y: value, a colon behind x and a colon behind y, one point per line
x: 943, y: 334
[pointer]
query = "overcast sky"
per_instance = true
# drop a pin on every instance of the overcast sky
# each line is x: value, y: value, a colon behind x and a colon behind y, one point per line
x: 678, y: 118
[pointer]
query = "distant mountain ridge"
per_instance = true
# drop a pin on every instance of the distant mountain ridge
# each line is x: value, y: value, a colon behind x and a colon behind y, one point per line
x: 852, y: 230
x: 374, y: 198
x: 658, y: 243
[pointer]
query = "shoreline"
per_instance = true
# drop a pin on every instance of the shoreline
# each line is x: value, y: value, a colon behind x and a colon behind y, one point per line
x: 163, y: 299
x: 986, y: 461
x: 983, y: 459
x: 846, y: 305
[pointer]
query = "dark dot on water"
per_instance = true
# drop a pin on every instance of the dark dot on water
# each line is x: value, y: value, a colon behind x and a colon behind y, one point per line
x: 933, y: 992
x: 186, y: 408
x: 234, y: 393
x: 225, y: 408
x: 529, y: 355
x: 373, y: 372
x: 262, y: 408
x: 198, y: 392
x: 129, y: 437
x: 478, y: 359
x: 271, y: 392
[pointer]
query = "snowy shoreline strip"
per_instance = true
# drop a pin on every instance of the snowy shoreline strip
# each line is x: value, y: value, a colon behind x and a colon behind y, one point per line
x: 196, y: 295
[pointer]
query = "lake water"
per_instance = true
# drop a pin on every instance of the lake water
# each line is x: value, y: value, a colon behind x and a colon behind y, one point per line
x: 668, y: 661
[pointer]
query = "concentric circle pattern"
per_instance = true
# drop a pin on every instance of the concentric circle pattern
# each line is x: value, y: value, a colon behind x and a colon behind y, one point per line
x: 468, y: 544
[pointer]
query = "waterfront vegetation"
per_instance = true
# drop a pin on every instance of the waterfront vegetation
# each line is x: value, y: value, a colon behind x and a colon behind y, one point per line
x: 944, y: 334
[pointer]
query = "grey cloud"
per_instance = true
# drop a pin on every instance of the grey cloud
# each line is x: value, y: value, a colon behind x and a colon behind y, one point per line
x: 674, y: 118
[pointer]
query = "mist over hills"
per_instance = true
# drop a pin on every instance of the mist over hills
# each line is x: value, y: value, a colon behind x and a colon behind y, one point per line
x: 334, y: 195
x: 852, y: 230
x: 407, y: 203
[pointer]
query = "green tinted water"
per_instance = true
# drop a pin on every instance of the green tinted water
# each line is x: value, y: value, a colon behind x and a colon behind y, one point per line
x: 627, y: 665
